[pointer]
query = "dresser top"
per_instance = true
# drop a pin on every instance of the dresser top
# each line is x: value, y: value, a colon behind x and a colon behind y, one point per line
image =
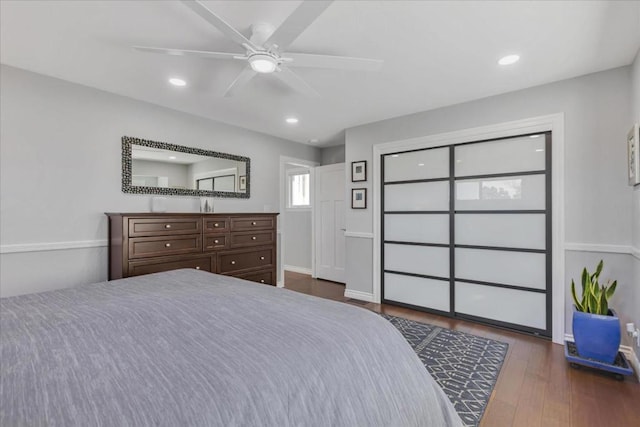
x: 187, y: 214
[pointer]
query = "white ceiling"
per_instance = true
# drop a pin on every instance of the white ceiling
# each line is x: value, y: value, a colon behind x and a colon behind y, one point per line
x: 435, y: 53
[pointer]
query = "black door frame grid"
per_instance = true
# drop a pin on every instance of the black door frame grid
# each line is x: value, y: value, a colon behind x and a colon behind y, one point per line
x: 545, y: 333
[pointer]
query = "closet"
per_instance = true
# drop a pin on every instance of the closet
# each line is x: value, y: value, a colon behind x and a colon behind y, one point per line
x: 467, y: 231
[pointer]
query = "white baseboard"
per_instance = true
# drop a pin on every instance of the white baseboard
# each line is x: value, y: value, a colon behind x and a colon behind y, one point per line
x: 301, y: 270
x: 362, y: 296
x: 629, y: 353
x: 280, y: 284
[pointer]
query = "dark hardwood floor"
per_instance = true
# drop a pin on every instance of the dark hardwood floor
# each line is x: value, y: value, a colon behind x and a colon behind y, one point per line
x: 536, y: 386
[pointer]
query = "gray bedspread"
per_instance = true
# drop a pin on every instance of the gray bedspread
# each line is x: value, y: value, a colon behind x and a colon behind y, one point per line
x: 189, y: 348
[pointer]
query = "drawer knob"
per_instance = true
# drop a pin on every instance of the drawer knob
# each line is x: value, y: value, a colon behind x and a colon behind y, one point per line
x: 253, y: 223
x: 215, y: 241
x: 261, y: 280
x: 167, y: 245
x: 233, y: 262
x: 261, y: 258
x: 215, y: 225
x: 253, y: 238
x: 197, y: 267
x: 167, y: 226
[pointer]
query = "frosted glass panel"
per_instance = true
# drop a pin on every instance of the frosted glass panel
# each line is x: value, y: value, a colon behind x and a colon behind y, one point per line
x: 521, y: 154
x: 417, y: 228
x: 419, y: 291
x: 427, y: 260
x: 506, y: 230
x: 508, y: 268
x: 423, y: 164
x: 509, y: 193
x: 421, y: 196
x: 506, y: 305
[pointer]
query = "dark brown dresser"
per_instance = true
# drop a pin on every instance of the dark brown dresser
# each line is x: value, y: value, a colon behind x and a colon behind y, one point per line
x: 235, y: 244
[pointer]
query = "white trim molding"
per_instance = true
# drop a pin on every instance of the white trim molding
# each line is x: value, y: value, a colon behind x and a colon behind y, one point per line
x: 553, y: 123
x: 629, y: 353
x: 359, y: 295
x: 635, y: 252
x: 301, y: 270
x: 52, y: 246
x: 358, y: 234
x: 597, y: 247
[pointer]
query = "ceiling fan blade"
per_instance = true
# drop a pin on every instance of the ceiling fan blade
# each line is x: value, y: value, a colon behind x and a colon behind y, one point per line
x: 296, y: 82
x: 243, y: 78
x: 219, y: 23
x: 335, y: 62
x: 185, y: 52
x: 297, y: 22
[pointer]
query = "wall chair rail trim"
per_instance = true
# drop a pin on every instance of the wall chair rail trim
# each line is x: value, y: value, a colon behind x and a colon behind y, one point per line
x: 52, y: 246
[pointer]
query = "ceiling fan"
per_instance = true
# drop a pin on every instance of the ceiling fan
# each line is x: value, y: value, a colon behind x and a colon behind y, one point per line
x: 264, y: 50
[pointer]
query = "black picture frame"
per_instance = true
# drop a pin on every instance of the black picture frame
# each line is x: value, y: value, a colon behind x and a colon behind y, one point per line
x: 358, y: 198
x: 359, y: 171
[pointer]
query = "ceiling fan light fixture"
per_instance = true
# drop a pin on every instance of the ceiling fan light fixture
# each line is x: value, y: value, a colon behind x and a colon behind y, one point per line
x: 263, y: 63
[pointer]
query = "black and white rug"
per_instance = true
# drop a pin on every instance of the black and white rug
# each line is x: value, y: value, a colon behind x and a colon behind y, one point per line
x: 466, y: 366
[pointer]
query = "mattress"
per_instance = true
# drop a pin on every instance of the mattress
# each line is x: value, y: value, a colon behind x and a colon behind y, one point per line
x: 191, y: 348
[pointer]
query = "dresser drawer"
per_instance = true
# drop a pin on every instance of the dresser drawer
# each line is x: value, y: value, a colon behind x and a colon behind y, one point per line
x: 267, y: 277
x: 136, y: 268
x: 252, y: 223
x: 215, y: 242
x: 255, y: 238
x: 163, y: 226
x: 216, y: 225
x: 237, y: 261
x: 142, y: 247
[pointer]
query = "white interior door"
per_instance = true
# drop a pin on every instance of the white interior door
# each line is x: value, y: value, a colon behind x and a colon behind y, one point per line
x: 330, y: 222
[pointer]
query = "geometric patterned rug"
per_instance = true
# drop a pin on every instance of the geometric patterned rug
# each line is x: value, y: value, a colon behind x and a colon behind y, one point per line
x: 466, y: 366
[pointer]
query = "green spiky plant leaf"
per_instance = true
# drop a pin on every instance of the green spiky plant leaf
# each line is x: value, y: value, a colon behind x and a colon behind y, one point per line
x: 595, y: 297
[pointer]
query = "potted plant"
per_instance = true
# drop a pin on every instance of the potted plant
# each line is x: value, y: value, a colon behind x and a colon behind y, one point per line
x: 596, y: 327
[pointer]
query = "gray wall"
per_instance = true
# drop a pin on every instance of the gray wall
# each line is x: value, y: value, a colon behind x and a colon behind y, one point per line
x: 332, y: 155
x: 60, y: 170
x: 635, y: 118
x: 598, y: 201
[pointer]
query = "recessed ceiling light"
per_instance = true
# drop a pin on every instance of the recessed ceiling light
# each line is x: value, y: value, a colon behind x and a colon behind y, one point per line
x: 420, y: 164
x: 539, y: 150
x: 177, y: 82
x: 291, y: 120
x: 509, y: 59
x: 172, y: 157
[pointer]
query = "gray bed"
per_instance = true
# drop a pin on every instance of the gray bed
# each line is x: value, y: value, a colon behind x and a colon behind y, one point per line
x: 189, y: 348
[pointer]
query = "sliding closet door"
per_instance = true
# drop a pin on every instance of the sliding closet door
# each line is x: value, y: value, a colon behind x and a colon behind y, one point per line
x: 416, y: 223
x: 467, y: 231
x: 503, y: 231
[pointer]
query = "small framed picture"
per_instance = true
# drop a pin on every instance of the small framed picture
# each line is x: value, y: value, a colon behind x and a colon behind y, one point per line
x: 633, y: 156
x: 242, y: 185
x: 358, y: 198
x: 359, y: 171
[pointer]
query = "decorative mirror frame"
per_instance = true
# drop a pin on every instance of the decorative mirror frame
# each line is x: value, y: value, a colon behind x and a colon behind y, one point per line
x: 127, y: 187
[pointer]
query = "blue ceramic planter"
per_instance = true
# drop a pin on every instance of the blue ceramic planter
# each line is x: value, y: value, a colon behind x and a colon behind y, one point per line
x: 597, y: 337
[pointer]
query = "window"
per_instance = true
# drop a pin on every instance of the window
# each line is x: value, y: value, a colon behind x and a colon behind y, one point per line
x: 298, y: 191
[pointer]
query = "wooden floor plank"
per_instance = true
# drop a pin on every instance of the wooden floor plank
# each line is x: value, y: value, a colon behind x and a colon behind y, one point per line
x: 536, y: 386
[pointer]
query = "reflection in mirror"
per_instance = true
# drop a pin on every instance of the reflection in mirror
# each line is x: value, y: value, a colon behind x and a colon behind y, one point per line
x: 151, y: 167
